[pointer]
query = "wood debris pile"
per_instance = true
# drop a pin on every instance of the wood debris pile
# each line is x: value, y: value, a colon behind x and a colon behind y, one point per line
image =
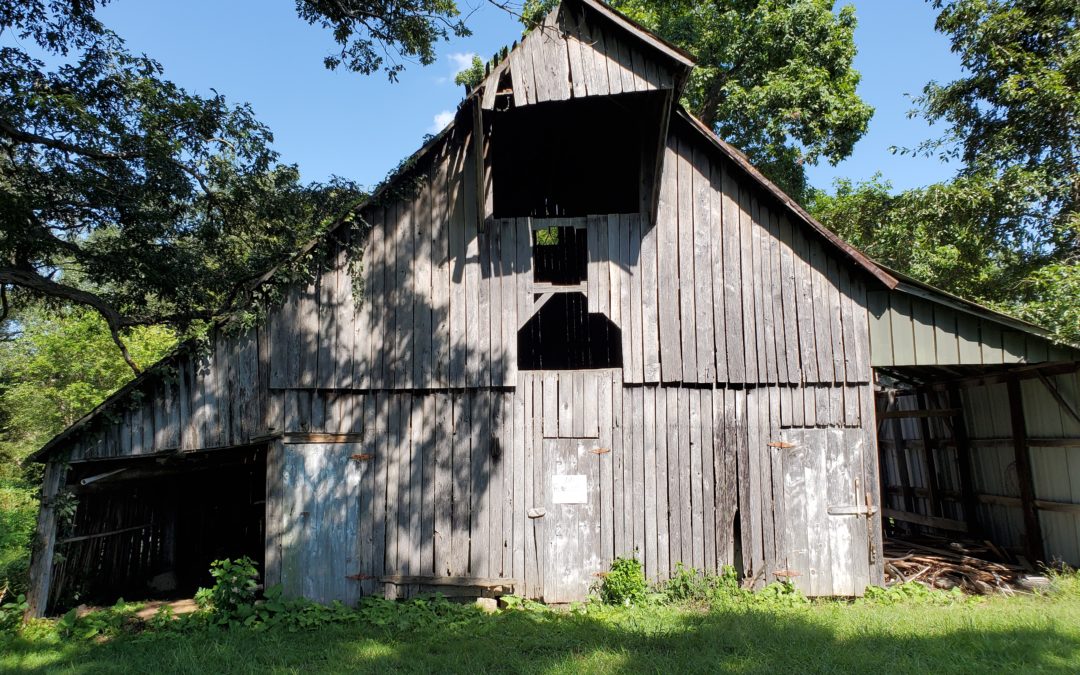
x: 976, y: 568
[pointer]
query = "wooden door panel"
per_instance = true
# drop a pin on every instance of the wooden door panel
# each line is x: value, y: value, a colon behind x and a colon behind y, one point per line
x: 320, y: 541
x: 572, y: 518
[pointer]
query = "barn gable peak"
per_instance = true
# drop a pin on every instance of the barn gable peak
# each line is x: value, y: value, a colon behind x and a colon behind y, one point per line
x: 583, y: 48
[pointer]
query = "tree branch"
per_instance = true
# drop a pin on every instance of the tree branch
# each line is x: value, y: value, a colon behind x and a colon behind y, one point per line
x: 28, y: 278
x: 21, y: 136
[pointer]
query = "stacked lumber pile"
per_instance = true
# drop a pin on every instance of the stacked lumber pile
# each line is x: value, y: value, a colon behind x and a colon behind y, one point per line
x: 979, y: 568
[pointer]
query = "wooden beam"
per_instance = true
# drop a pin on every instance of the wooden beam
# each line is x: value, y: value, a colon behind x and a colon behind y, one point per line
x: 964, y: 465
x: 98, y: 535
x: 478, y: 149
x: 1065, y: 405
x: 1032, y: 527
x: 1041, y: 504
x: 1069, y: 442
x: 1021, y: 372
x: 928, y: 521
x: 471, y: 582
x: 311, y: 437
x: 928, y: 456
x: 898, y: 414
x: 41, y: 564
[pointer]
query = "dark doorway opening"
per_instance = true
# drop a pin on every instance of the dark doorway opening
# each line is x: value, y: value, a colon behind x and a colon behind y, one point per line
x: 150, y: 527
x: 563, y: 335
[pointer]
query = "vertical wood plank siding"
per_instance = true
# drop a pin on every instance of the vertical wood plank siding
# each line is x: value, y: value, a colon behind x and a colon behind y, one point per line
x: 572, y: 54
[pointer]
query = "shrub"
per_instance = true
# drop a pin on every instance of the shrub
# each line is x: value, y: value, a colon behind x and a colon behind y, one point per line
x: 624, y: 584
x: 11, y: 613
x: 688, y: 585
x: 235, y: 585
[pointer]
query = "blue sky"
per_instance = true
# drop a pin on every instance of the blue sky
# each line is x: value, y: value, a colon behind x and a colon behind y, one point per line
x: 361, y: 126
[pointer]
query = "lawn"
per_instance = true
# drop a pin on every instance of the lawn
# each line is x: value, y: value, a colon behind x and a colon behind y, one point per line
x: 1028, y: 634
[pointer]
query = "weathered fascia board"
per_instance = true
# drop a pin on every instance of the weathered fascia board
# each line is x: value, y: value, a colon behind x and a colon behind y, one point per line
x: 1020, y: 372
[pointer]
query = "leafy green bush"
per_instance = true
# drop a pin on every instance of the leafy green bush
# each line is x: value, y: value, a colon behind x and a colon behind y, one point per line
x: 11, y: 613
x: 779, y: 594
x: 107, y: 622
x: 624, y: 584
x: 235, y: 584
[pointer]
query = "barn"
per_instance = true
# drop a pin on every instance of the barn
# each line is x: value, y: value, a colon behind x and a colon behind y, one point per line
x: 575, y: 325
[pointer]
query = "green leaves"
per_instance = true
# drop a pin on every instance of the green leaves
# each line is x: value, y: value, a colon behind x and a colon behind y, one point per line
x: 471, y: 76
x: 62, y: 364
x: 1006, y: 230
x: 374, y: 34
x: 774, y: 77
x: 625, y: 583
x: 121, y: 191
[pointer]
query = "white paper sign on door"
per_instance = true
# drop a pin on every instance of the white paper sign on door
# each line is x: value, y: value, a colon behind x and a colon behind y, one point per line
x: 571, y: 489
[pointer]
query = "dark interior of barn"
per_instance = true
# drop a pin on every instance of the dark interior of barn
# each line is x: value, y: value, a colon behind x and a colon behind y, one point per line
x: 612, y: 144
x: 148, y: 528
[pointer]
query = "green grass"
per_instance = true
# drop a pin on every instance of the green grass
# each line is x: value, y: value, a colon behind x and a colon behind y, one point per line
x: 1028, y: 634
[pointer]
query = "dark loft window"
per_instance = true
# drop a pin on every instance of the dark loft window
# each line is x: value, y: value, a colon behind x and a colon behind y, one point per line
x: 560, y: 255
x: 573, y: 158
x: 564, y: 336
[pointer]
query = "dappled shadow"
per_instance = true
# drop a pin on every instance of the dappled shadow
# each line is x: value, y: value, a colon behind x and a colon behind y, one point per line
x: 743, y: 640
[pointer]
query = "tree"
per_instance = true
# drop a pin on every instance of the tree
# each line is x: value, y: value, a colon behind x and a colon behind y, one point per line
x: 1006, y: 229
x: 472, y: 76
x: 61, y: 364
x: 123, y: 192
x: 774, y: 77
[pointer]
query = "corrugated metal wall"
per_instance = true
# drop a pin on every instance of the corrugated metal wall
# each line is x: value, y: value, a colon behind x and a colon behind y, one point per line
x: 1053, y: 442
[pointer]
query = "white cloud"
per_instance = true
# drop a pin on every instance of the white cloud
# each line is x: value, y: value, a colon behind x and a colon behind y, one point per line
x: 441, y: 120
x: 459, y: 61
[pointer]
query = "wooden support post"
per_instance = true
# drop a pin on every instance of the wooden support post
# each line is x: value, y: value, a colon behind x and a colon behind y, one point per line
x: 963, y: 460
x: 41, y: 563
x: 1032, y: 528
x: 478, y: 150
x: 929, y: 444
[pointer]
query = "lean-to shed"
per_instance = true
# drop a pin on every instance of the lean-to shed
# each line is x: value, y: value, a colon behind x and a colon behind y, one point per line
x: 576, y: 326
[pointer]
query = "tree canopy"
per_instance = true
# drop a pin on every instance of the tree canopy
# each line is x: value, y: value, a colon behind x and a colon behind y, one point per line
x: 774, y: 77
x: 123, y: 192
x: 1006, y: 229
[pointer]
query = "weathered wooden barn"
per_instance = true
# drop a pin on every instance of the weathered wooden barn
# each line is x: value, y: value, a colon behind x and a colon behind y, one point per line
x: 576, y: 326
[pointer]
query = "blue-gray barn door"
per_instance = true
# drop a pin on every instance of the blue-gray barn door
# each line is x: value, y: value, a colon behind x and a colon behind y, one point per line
x: 320, y: 515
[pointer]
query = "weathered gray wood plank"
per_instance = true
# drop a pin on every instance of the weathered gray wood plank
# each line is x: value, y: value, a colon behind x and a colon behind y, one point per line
x: 704, y: 306
x: 667, y: 228
x: 688, y: 311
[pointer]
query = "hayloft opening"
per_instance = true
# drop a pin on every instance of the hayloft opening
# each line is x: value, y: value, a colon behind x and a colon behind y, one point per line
x: 560, y: 255
x: 150, y: 527
x: 563, y: 335
x: 587, y: 156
